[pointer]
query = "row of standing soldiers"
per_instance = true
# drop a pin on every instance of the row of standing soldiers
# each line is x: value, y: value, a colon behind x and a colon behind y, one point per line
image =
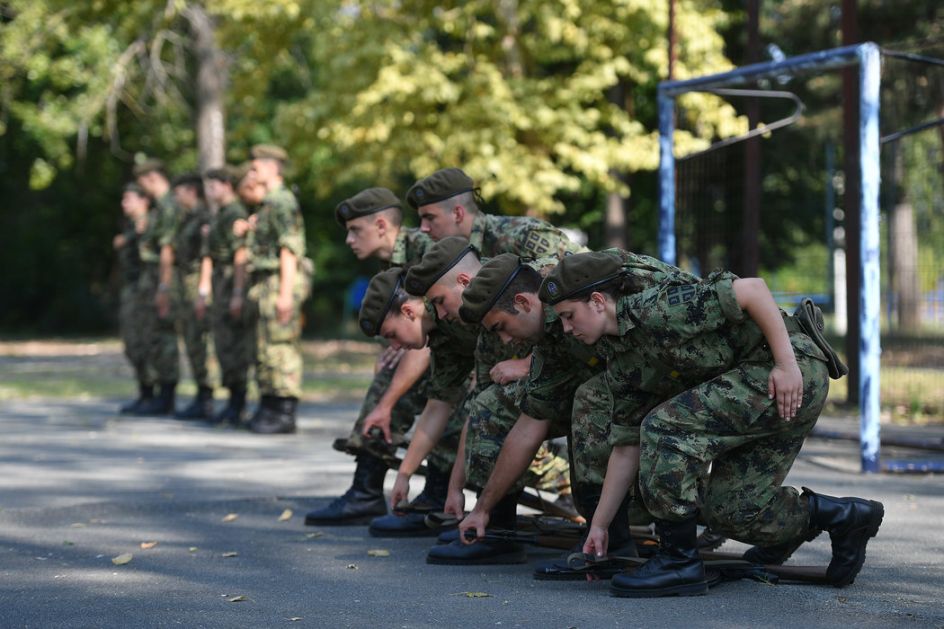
x: 220, y: 254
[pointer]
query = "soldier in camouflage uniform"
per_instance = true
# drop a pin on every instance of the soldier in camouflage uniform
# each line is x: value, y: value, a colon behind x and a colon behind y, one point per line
x: 156, y: 285
x: 193, y: 219
x: 561, y: 396
x: 441, y: 277
x: 373, y: 221
x: 233, y: 336
x: 752, y: 386
x: 279, y: 286
x: 134, y: 205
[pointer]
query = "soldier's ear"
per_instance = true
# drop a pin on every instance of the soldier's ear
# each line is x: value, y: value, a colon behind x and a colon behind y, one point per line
x: 597, y: 301
x: 407, y: 309
x: 458, y: 213
x: 381, y: 223
x: 523, y: 303
x: 464, y: 279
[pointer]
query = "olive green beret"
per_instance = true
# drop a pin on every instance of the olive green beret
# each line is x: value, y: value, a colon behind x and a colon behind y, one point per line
x: 136, y: 189
x: 187, y: 179
x: 488, y: 285
x: 378, y: 299
x: 149, y: 166
x: 439, y: 186
x: 226, y: 174
x: 364, y: 203
x: 439, y: 258
x: 577, y: 273
x: 268, y: 151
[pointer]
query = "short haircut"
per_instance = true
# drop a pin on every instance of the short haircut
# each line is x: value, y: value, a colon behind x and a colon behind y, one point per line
x: 393, y: 214
x: 399, y: 298
x: 465, y: 199
x: 528, y: 280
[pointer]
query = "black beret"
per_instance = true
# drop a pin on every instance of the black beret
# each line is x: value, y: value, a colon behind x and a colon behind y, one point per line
x: 439, y: 186
x: 488, y: 285
x: 577, y: 273
x: 149, y: 165
x: 365, y: 203
x: 227, y: 174
x: 378, y: 299
x: 136, y: 189
x: 187, y: 179
x: 268, y: 151
x: 439, y: 258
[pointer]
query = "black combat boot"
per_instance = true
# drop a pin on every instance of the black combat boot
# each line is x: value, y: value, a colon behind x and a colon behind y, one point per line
x: 276, y: 417
x: 162, y: 404
x: 674, y: 570
x: 851, y: 522
x: 201, y: 407
x: 620, y: 544
x: 360, y: 504
x: 234, y: 412
x: 413, y: 524
x: 482, y: 552
x: 145, y: 394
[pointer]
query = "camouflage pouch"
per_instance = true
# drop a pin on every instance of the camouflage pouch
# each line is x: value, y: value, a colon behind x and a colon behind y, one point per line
x: 810, y: 319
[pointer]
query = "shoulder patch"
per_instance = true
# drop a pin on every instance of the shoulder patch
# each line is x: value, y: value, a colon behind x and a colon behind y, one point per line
x: 678, y: 295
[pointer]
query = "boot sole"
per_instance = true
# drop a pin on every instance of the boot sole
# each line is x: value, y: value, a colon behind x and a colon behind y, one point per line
x: 358, y: 521
x: 498, y: 560
x: 871, y: 530
x: 689, y: 589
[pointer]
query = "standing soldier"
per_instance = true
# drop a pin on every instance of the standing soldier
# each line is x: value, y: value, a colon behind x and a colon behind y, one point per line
x: 232, y: 335
x: 134, y: 205
x: 188, y: 240
x: 277, y: 290
x: 157, y: 322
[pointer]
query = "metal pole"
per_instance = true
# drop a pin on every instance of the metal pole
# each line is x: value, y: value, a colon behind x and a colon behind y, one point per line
x: 870, y: 272
x: 666, y: 178
x: 851, y: 157
x: 749, y: 263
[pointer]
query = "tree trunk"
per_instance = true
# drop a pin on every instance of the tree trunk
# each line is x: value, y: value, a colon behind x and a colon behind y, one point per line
x: 614, y: 221
x: 903, y: 254
x: 212, y: 71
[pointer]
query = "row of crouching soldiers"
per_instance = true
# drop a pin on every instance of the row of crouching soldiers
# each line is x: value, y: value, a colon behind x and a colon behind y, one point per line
x: 219, y: 254
x: 682, y: 400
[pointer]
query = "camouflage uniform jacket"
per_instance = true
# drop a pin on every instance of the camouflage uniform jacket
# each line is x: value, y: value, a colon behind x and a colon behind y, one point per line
x: 409, y: 247
x: 677, y: 335
x: 161, y: 225
x: 279, y: 224
x: 221, y: 244
x: 452, y: 357
x: 129, y: 256
x: 188, y: 239
x: 521, y: 235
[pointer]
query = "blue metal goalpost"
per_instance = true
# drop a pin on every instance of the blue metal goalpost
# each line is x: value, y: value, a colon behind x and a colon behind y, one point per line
x: 868, y: 58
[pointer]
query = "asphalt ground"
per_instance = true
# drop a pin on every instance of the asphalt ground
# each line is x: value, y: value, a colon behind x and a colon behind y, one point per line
x: 81, y: 486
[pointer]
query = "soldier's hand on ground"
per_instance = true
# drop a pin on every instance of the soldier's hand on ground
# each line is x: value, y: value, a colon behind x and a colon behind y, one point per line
x: 597, y: 541
x: 401, y: 490
x: 381, y: 418
x: 455, y: 504
x: 283, y: 309
x: 472, y: 527
x: 236, y: 306
x: 510, y: 370
x: 390, y: 357
x: 786, y: 384
x: 162, y: 303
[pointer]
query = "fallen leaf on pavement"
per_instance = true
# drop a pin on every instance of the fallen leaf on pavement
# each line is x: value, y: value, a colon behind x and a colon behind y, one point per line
x: 122, y: 559
x: 231, y: 553
x: 378, y: 552
x: 237, y: 599
x: 68, y: 543
x: 286, y: 515
x: 193, y: 549
x: 314, y: 535
x: 148, y: 545
x: 473, y: 594
x: 229, y: 517
x: 294, y: 619
x: 352, y: 566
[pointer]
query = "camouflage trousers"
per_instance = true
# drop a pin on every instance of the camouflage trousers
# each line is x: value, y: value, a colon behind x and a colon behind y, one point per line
x: 195, y: 332
x: 404, y: 413
x: 493, y: 412
x: 730, y: 423
x: 278, y: 345
x: 135, y: 342
x: 160, y: 332
x: 233, y: 339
